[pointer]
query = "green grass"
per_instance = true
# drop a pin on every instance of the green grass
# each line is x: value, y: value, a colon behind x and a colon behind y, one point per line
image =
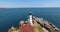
x: 38, y: 27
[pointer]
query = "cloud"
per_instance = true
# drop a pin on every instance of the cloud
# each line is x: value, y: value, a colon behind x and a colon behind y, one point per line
x: 50, y: 5
x: 28, y: 5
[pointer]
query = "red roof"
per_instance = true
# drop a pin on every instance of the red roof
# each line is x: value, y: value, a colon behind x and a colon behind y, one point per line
x: 26, y: 28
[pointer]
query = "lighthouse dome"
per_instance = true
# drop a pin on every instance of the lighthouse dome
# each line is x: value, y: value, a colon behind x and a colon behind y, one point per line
x: 30, y: 13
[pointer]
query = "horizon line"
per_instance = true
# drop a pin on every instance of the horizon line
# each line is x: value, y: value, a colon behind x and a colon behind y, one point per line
x: 29, y: 7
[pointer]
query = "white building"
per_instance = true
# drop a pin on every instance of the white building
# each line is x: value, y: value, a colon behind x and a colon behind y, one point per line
x: 30, y: 18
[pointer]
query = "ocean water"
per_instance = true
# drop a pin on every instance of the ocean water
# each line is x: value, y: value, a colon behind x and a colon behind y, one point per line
x: 11, y: 16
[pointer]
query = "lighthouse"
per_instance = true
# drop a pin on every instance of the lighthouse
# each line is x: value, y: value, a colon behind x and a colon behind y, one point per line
x: 30, y: 17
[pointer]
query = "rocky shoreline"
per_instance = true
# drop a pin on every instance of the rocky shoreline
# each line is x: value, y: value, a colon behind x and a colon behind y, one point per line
x: 39, y: 24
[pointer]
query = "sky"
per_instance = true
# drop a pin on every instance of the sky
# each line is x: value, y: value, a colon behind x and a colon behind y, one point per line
x: 29, y: 3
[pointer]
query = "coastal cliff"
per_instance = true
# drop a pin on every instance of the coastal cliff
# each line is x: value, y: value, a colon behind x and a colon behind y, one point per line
x: 39, y: 25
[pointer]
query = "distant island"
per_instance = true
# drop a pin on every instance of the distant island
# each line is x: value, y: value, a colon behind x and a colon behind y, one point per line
x: 34, y: 24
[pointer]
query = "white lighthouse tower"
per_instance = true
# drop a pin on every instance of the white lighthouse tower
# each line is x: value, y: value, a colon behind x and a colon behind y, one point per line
x: 30, y: 17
